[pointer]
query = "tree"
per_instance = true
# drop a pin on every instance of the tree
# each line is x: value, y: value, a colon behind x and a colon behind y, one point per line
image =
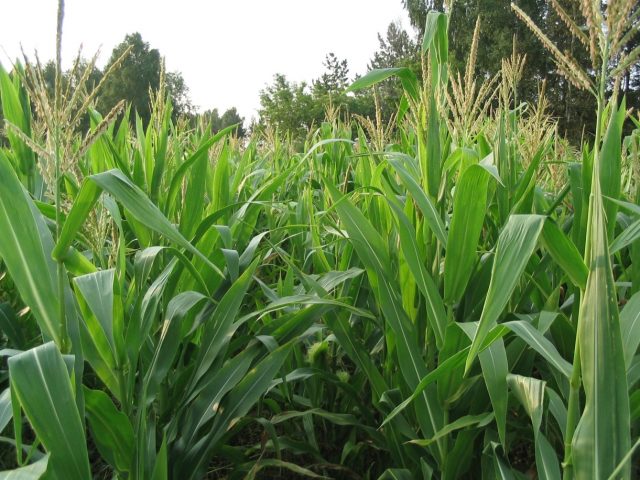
x: 329, y: 90
x: 72, y: 76
x: 499, y: 25
x: 335, y: 79
x: 293, y: 108
x: 232, y: 117
x: 179, y: 93
x: 228, y: 118
x: 396, y: 49
x: 139, y: 73
x: 287, y: 106
x: 418, y: 10
x: 135, y: 76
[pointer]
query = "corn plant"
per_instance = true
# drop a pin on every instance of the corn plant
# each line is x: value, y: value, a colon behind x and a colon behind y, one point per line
x: 452, y: 295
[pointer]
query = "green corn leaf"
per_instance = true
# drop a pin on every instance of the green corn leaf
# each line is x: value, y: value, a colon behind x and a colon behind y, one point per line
x: 499, y: 467
x: 434, y: 30
x: 436, y: 312
x: 478, y: 421
x: 160, y: 154
x: 396, y: 474
x: 558, y: 410
x: 96, y: 289
x: 450, y: 364
x: 161, y: 468
x: 170, y: 338
x: 630, y: 328
x: 17, y: 110
x: 423, y: 201
x: 602, y: 436
x: 516, y: 243
x: 406, y: 76
x: 111, y: 429
x: 629, y: 207
x: 530, y: 392
x: 223, y: 317
x: 627, y: 237
x: 433, y: 151
x: 540, y: 344
x: 238, y: 402
x: 195, y: 195
x: 41, y: 382
x: 211, y: 391
x: 469, y: 209
x: 625, y: 461
x: 5, y: 409
x: 461, y: 455
x: 371, y: 251
x: 95, y: 296
x: 203, y: 149
x: 610, y: 164
x: 25, y: 248
x: 33, y: 471
x: 495, y: 368
x: 565, y: 253
x: 136, y: 203
x: 297, y: 470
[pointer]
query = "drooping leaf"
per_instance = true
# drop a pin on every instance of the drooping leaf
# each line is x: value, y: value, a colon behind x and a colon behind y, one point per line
x: 540, y: 344
x: 479, y: 421
x: 33, y: 471
x: 530, y: 392
x: 565, y: 253
x: 406, y: 76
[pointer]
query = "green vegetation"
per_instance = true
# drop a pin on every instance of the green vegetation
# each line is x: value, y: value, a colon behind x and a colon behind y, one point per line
x: 449, y: 292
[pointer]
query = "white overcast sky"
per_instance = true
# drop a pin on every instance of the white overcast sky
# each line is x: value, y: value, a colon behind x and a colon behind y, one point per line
x: 227, y: 51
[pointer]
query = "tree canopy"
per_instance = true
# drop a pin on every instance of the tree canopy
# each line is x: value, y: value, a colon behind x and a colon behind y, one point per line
x: 294, y: 107
x: 499, y: 27
x: 139, y: 73
x: 219, y: 122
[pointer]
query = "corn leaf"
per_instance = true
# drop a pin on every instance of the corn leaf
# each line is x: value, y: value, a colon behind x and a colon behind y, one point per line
x: 469, y: 209
x: 33, y: 471
x: 516, y: 243
x: 530, y: 392
x: 630, y: 328
x: 41, y: 382
x: 136, y: 203
x: 602, y: 436
x: 565, y: 253
x: 25, y: 248
x: 111, y: 429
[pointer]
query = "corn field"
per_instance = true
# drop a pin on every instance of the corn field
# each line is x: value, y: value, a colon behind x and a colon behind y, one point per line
x: 453, y: 295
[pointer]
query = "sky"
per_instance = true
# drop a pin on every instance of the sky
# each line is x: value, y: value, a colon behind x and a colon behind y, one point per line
x: 227, y: 51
